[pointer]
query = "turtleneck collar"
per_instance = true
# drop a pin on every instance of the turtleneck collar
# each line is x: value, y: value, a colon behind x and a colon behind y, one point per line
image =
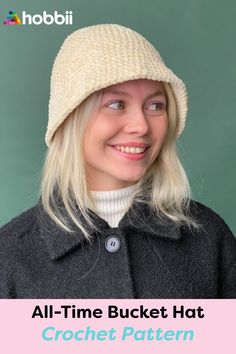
x: 112, y: 205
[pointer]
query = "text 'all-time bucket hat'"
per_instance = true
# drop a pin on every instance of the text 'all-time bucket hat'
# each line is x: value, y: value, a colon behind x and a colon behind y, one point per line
x: 99, y: 56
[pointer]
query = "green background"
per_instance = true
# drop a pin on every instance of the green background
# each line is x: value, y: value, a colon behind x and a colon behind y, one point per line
x: 196, y: 40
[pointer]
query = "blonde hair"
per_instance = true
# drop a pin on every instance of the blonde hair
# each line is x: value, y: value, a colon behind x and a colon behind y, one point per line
x: 64, y: 173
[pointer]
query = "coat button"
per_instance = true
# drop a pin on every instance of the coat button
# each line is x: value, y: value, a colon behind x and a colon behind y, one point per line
x: 112, y: 244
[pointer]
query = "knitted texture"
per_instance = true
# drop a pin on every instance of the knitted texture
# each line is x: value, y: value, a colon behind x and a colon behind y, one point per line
x: 99, y: 56
x: 112, y: 205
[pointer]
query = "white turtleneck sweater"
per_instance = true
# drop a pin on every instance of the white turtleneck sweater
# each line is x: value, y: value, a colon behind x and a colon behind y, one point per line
x: 112, y: 205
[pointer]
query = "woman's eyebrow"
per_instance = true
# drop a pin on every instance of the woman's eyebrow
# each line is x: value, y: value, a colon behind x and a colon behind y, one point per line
x: 124, y: 93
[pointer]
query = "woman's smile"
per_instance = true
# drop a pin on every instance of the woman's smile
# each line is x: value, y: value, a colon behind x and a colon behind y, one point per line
x: 132, y: 151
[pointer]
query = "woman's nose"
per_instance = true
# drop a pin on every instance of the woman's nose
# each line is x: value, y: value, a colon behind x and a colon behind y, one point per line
x: 137, y: 122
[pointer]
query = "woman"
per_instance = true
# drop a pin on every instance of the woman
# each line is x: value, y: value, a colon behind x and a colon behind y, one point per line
x: 115, y: 218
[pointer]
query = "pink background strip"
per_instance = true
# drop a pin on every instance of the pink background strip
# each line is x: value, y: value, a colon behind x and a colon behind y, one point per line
x: 215, y: 333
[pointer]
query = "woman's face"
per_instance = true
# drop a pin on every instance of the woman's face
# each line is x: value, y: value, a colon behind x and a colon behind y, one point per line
x: 123, y: 138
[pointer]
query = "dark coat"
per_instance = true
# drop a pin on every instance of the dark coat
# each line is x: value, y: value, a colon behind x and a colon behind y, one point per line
x: 155, y: 260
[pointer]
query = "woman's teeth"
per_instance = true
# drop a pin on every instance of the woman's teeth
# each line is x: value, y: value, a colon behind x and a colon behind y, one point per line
x: 130, y: 149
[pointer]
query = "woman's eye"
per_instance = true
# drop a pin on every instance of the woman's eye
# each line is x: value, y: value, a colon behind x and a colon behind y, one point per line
x: 116, y: 105
x: 157, y: 106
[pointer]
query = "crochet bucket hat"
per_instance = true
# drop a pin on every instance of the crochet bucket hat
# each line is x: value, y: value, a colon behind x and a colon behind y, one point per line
x: 99, y: 56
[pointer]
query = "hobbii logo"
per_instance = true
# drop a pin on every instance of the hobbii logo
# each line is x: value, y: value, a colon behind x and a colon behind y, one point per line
x: 48, y: 19
x: 37, y: 19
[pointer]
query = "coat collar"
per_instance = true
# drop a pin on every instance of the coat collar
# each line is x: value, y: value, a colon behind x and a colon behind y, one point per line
x: 140, y: 218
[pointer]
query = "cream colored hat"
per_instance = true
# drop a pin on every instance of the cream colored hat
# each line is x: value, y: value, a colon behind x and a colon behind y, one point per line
x: 99, y: 56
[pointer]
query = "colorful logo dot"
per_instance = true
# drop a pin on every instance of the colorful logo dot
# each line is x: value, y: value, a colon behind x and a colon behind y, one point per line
x: 12, y: 19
